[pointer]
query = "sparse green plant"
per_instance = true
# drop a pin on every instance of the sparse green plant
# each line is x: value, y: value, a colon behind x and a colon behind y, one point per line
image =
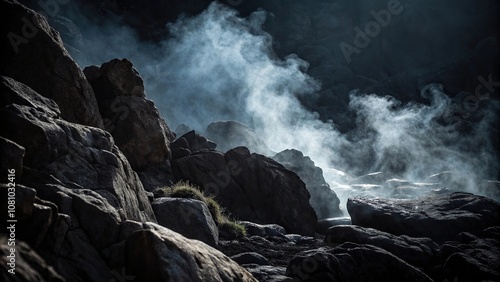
x: 184, y: 190
x: 188, y: 191
x: 232, y: 229
x: 215, y: 209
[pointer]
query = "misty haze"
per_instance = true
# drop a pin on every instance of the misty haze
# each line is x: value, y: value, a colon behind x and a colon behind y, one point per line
x: 333, y: 119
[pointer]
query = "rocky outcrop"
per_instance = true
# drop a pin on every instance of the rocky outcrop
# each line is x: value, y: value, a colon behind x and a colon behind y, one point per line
x: 276, y: 195
x: 154, y: 253
x: 352, y: 262
x: 191, y: 218
x: 324, y: 200
x: 78, y: 156
x: 419, y: 252
x: 135, y: 123
x: 232, y: 134
x: 472, y: 258
x: 268, y: 273
x: 267, y: 230
x: 34, y: 55
x: 210, y: 171
x: 252, y: 187
x: 439, y: 217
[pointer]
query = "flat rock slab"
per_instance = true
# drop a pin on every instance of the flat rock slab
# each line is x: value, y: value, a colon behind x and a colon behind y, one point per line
x: 439, y: 217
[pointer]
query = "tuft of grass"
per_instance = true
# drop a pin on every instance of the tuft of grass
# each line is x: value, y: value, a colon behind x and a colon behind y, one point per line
x: 232, y: 229
x: 215, y: 209
x: 226, y: 224
x: 184, y: 190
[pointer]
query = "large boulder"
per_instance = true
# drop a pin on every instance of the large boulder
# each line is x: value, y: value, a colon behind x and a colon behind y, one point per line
x: 419, y: 252
x: 78, y: 156
x: 155, y: 253
x: 276, y: 194
x: 34, y: 55
x: 210, y: 171
x: 352, y: 262
x: 323, y: 199
x: 135, y: 123
x: 252, y: 187
x: 189, y: 217
x: 439, y: 217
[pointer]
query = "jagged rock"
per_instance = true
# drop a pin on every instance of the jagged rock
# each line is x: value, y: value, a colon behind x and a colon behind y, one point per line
x: 472, y: 258
x: 439, y: 217
x: 419, y: 252
x: 352, y: 262
x: 266, y: 230
x: 28, y: 265
x: 232, y: 134
x: 276, y: 195
x: 268, y: 273
x: 301, y: 240
x: 250, y: 258
x: 277, y: 250
x: 28, y: 40
x: 14, y: 92
x: 324, y: 200
x: 135, y: 123
x: 189, y: 217
x: 67, y: 234
x: 79, y: 156
x: 198, y: 142
x: 159, y: 254
x: 190, y: 142
x: 12, y: 158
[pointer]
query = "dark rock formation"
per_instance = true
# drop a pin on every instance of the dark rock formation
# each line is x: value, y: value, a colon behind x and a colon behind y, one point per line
x: 254, y: 229
x: 28, y: 265
x: 268, y: 273
x: 190, y: 142
x: 472, y: 258
x: 250, y: 258
x: 79, y: 156
x: 191, y: 218
x: 276, y: 195
x: 34, y: 55
x: 135, y: 123
x: 232, y: 134
x: 210, y: 171
x: 12, y: 157
x: 252, y: 187
x: 419, y: 252
x: 155, y: 253
x: 324, y: 200
x: 352, y: 262
x: 439, y: 217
